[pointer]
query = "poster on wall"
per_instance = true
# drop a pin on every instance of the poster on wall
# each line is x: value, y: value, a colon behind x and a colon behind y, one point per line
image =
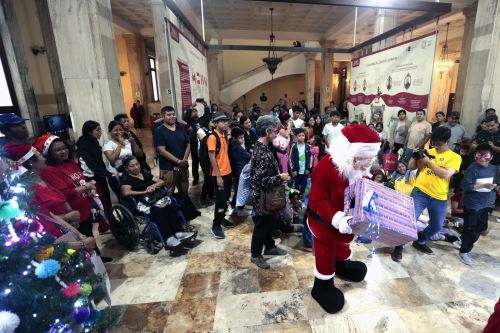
x: 188, y: 69
x: 396, y: 78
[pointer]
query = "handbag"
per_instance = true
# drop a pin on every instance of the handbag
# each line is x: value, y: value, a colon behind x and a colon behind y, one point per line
x: 274, y: 200
x: 244, y: 188
x: 390, y: 162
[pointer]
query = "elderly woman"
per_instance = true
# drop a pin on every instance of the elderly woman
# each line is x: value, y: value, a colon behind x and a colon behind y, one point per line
x: 137, y: 183
x: 265, y: 176
x: 55, y: 212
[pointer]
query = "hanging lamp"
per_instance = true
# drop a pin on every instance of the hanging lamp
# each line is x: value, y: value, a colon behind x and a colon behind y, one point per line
x: 272, y: 60
x: 444, y: 64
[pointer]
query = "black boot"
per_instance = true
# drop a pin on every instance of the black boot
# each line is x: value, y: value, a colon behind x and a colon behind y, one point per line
x: 354, y: 271
x: 327, y: 295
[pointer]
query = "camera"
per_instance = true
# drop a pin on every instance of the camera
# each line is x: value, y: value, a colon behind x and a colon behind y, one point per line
x: 419, y: 154
x: 126, y: 135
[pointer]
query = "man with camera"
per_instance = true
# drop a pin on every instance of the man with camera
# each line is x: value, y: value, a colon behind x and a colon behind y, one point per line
x: 436, y: 166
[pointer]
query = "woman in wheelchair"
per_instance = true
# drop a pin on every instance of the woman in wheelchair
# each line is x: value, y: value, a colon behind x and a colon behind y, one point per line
x: 142, y: 186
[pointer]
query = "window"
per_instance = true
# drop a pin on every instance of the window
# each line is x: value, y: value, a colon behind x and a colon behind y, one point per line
x: 154, y: 78
x: 8, y: 102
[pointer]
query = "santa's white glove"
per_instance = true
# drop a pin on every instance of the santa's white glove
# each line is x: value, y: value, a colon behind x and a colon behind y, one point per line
x: 340, y: 221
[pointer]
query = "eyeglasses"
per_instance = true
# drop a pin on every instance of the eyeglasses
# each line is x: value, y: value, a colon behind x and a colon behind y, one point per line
x: 480, y: 155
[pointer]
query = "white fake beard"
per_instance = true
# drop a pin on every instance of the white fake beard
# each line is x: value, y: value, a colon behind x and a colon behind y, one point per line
x: 353, y: 174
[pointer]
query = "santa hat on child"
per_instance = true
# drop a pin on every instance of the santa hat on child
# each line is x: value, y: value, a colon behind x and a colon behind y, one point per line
x: 42, y: 143
x: 353, y: 141
x: 19, y: 152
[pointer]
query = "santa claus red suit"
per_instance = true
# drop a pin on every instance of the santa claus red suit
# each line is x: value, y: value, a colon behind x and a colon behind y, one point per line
x: 349, y: 158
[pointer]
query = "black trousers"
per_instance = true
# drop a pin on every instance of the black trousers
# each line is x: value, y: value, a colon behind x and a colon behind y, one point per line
x: 195, y: 162
x: 236, y: 182
x: 222, y: 195
x: 85, y: 228
x: 166, y: 219
x: 113, y: 183
x: 207, y: 190
x: 262, y: 235
x: 475, y: 222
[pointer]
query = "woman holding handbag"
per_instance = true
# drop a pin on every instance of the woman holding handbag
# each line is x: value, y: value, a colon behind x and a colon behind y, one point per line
x: 268, y: 192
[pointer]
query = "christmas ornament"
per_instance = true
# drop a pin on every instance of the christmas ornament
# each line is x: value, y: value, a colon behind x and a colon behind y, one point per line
x: 8, y: 322
x: 72, y: 290
x: 8, y: 211
x: 86, y: 290
x: 47, y: 268
x: 45, y: 253
x: 60, y: 328
x: 81, y: 314
x: 94, y: 316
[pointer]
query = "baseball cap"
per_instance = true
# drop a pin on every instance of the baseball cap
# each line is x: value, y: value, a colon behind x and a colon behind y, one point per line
x: 10, y: 119
x: 454, y: 115
x: 219, y: 116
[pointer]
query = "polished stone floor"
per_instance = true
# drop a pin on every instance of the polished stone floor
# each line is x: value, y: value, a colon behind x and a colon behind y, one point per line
x: 215, y: 288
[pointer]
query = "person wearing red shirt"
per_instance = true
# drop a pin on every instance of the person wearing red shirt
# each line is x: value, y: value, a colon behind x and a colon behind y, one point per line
x: 64, y: 175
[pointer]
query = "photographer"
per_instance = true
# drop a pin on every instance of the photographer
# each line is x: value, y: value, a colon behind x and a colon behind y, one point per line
x: 436, y: 167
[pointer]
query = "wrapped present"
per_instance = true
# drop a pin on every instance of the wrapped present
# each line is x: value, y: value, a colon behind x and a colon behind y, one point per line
x: 380, y: 213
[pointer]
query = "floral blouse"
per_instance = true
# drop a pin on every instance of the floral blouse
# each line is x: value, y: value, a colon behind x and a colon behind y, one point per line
x: 265, y: 173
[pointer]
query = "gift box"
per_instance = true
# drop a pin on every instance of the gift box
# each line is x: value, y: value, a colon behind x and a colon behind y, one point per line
x: 380, y: 213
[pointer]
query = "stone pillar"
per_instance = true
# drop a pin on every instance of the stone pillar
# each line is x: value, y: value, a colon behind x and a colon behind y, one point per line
x: 158, y: 13
x: 18, y: 67
x: 135, y: 45
x: 326, y: 80
x: 310, y: 78
x: 384, y: 20
x: 81, y: 52
x: 482, y: 85
x: 470, y: 19
x: 214, y: 79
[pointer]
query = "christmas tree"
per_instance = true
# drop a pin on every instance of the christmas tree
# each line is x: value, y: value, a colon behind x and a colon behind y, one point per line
x: 44, y: 286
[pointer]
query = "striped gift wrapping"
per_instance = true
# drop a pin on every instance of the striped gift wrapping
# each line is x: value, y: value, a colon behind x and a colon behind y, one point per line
x: 395, y: 212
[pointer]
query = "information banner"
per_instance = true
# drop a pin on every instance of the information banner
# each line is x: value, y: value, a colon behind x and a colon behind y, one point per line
x: 188, y: 69
x: 396, y: 78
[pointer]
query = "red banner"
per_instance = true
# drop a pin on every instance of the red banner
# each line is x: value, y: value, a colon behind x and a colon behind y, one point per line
x: 185, y: 80
x: 409, y: 102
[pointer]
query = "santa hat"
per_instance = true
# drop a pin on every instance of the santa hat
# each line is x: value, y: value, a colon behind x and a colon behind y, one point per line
x: 42, y: 143
x: 353, y: 141
x: 19, y: 153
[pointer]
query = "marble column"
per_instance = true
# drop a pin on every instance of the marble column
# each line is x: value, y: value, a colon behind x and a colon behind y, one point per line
x: 310, y: 78
x: 83, y: 46
x: 135, y: 45
x: 214, y: 78
x: 326, y: 78
x: 470, y: 19
x: 384, y: 20
x: 482, y: 84
x: 158, y: 12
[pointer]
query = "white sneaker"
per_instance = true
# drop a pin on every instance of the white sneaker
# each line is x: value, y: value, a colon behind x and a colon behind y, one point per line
x: 183, y: 235
x: 231, y: 211
x: 173, y: 242
x: 457, y: 243
x: 498, y: 220
x: 466, y: 259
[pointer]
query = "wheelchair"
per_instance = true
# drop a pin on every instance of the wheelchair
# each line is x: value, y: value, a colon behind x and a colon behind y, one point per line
x: 133, y: 228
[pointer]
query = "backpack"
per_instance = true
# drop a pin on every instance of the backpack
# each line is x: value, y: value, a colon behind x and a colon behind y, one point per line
x: 203, y: 151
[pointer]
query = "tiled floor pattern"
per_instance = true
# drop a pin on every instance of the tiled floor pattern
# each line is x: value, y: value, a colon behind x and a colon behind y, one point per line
x: 215, y: 288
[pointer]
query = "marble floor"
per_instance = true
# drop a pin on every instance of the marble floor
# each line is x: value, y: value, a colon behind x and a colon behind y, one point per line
x: 215, y: 287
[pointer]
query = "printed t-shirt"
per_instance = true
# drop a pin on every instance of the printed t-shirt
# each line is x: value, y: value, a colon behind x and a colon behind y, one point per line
x: 222, y: 159
x: 417, y: 132
x: 432, y: 185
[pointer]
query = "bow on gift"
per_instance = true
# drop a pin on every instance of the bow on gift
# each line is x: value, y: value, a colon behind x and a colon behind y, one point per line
x: 373, y: 230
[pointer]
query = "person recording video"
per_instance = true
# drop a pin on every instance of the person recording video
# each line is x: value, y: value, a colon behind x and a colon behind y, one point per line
x: 435, y: 166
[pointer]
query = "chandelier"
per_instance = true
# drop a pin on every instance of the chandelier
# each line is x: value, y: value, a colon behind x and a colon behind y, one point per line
x: 271, y: 60
x: 444, y: 64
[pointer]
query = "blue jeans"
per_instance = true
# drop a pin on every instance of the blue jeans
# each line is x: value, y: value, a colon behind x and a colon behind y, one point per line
x: 437, y: 213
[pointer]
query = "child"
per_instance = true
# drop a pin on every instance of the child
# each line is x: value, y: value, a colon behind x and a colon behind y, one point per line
x: 479, y: 181
x: 315, y: 150
x: 378, y: 176
x: 238, y: 157
x: 300, y: 158
x: 403, y: 179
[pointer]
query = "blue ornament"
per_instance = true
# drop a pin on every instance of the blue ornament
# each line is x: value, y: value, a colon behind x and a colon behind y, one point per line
x: 60, y: 328
x: 47, y: 268
x: 81, y: 314
x: 94, y: 316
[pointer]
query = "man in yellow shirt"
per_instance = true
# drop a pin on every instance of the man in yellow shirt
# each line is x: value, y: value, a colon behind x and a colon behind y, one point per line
x: 432, y: 185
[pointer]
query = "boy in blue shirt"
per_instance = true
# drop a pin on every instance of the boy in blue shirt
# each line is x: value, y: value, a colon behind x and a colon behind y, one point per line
x: 300, y: 159
x: 238, y: 157
x: 478, y: 187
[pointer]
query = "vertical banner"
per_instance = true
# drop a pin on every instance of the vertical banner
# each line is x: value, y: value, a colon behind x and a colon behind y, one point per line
x: 396, y: 78
x: 188, y: 68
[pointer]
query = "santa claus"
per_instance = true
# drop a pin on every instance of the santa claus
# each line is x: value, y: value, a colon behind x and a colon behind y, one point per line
x: 350, y: 156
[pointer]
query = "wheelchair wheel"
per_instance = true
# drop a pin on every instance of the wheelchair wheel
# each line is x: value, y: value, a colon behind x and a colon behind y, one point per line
x: 123, y: 226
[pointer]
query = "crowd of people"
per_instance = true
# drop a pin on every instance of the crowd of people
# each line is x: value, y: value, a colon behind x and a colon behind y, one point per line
x: 282, y: 147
